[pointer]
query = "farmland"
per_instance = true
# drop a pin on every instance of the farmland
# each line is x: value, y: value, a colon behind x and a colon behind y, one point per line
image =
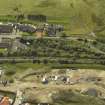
x: 73, y: 14
x: 52, y: 52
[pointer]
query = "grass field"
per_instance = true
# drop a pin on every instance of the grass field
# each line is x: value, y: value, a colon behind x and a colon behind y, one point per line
x: 75, y: 15
x: 20, y: 68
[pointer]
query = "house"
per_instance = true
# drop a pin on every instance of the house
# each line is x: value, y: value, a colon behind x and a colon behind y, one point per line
x: 44, y: 80
x: 51, y: 30
x: 6, y: 29
x: 59, y: 28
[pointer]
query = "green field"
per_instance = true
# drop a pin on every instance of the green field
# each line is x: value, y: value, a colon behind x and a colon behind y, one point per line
x: 78, y: 17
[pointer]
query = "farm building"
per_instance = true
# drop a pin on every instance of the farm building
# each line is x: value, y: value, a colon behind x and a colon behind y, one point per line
x: 26, y: 28
x: 4, y: 45
x: 92, y: 92
x: 53, y: 29
x: 4, y: 29
x: 41, y: 18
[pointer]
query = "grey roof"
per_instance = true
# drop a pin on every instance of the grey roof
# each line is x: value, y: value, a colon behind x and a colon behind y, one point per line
x: 6, y: 28
x: 4, y: 45
x: 91, y: 92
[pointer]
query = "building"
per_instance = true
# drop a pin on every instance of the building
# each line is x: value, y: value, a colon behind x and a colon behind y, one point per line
x: 92, y: 92
x: 5, y: 101
x: 26, y: 28
x: 6, y: 29
x: 41, y: 18
x: 5, y: 45
x: 53, y: 29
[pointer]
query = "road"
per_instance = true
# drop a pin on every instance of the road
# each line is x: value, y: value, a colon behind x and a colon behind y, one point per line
x: 66, y: 38
x: 33, y: 37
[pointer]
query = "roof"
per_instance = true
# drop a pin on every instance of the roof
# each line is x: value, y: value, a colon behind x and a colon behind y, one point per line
x: 25, y: 28
x: 91, y: 92
x: 6, y: 28
x: 4, y: 45
x: 5, y: 101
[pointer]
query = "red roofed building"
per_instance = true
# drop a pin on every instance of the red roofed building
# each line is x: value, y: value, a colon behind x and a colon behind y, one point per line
x: 5, y: 101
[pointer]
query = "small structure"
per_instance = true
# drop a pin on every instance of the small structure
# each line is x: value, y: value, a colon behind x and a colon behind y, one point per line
x: 39, y: 17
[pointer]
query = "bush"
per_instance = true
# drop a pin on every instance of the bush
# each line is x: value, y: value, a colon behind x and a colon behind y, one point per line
x: 11, y: 80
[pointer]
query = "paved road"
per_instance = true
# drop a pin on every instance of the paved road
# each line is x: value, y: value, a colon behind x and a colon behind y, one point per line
x: 28, y: 59
x: 68, y: 38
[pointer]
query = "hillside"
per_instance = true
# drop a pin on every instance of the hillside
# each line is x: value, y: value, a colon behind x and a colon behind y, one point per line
x: 52, y: 52
x: 82, y: 16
